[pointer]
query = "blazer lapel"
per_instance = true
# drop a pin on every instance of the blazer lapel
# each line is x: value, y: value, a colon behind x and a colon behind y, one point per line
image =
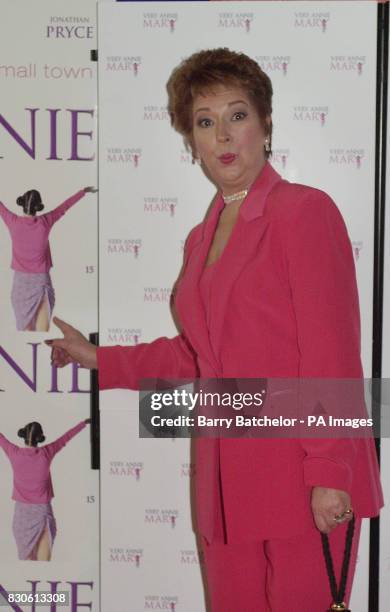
x: 193, y: 313
x: 242, y: 246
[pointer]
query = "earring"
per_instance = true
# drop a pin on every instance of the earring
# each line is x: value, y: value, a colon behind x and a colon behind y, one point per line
x: 267, y: 145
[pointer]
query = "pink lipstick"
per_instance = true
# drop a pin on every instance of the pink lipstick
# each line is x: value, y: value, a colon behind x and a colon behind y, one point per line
x: 227, y: 158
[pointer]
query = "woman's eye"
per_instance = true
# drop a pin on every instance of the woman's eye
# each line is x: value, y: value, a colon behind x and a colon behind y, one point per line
x: 239, y: 115
x: 204, y: 122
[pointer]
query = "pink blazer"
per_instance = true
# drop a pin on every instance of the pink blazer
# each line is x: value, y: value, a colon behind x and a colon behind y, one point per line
x: 284, y: 303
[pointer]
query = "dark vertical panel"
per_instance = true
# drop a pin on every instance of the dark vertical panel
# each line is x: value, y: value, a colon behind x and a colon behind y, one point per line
x: 95, y: 415
x: 379, y: 231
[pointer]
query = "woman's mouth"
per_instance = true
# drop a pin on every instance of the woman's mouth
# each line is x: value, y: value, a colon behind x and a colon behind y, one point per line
x: 227, y: 158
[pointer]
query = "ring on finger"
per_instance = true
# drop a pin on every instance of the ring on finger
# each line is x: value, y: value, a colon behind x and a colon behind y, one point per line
x: 339, y: 518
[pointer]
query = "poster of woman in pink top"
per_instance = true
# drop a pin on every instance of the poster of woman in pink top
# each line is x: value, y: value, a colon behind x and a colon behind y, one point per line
x: 32, y: 293
x: 34, y: 526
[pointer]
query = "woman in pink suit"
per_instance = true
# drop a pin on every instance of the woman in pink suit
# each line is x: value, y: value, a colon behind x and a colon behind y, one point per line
x: 267, y: 289
x: 34, y: 525
x: 33, y: 295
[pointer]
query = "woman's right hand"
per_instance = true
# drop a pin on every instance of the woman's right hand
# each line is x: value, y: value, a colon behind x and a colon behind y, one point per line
x: 72, y: 348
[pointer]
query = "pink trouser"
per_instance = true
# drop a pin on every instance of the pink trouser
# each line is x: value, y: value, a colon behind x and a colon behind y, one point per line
x: 278, y: 575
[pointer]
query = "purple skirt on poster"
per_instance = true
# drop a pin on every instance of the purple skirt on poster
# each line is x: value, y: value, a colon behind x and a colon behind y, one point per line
x: 29, y: 522
x: 28, y: 290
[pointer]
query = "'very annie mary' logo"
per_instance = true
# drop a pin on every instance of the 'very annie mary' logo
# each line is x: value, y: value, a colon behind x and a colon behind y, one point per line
x: 157, y: 294
x: 311, y: 114
x: 123, y: 63
x: 162, y: 204
x: 190, y: 557
x: 120, y: 335
x: 156, y: 516
x: 347, y: 63
x: 126, y: 469
x: 312, y: 20
x: 187, y: 158
x: 124, y: 246
x: 128, y: 556
x: 357, y: 246
x: 161, y: 602
x: 160, y: 21
x: 155, y: 112
x: 124, y: 155
x: 235, y: 21
x: 347, y: 157
x: 274, y: 63
x: 280, y: 157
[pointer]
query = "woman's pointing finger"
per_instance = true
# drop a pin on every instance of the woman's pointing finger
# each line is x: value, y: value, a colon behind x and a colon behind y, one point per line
x: 63, y: 326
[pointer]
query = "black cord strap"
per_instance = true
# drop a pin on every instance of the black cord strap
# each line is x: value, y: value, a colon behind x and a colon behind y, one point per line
x: 338, y: 593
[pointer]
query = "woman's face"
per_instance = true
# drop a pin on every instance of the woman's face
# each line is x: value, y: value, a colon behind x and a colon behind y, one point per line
x: 228, y: 137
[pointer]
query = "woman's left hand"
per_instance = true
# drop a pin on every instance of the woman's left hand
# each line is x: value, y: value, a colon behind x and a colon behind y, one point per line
x: 330, y: 508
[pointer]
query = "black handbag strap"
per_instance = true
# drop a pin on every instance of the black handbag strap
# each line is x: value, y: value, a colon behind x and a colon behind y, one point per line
x: 338, y: 593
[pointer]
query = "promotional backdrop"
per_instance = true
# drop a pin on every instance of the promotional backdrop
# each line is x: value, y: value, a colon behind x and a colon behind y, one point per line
x: 48, y: 143
x: 324, y: 78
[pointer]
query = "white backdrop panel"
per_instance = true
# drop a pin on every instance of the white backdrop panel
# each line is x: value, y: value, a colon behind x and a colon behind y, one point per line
x: 323, y: 73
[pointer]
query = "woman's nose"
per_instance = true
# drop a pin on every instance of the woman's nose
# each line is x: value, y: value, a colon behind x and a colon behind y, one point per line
x: 223, y: 134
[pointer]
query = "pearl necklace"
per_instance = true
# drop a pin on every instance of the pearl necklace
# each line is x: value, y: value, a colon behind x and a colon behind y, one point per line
x: 240, y: 195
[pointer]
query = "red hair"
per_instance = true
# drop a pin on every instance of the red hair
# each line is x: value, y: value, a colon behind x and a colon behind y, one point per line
x: 215, y: 67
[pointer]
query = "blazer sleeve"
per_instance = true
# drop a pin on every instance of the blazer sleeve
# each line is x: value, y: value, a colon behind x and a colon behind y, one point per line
x: 123, y: 367
x: 53, y: 216
x: 322, y: 280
